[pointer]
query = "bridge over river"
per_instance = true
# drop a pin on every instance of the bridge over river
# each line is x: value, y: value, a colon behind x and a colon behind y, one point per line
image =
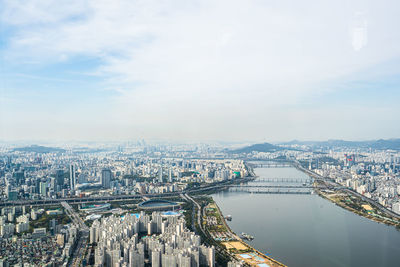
x: 284, y: 180
x: 271, y: 186
x: 271, y: 190
x: 276, y: 185
x: 270, y: 165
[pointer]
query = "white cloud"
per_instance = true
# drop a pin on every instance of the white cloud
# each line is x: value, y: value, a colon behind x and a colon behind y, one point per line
x: 206, y: 65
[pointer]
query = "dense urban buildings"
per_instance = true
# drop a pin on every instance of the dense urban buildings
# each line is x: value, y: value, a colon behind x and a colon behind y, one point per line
x: 119, y: 242
x: 134, y: 232
x: 41, y: 173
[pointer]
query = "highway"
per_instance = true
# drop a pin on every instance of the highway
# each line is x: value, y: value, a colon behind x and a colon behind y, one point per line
x: 218, y: 248
x: 337, y: 187
x: 77, y: 200
x: 76, y: 220
x: 71, y: 200
x: 372, y: 202
x: 83, y: 234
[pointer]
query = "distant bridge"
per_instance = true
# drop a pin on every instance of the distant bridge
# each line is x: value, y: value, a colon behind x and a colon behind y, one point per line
x: 270, y: 165
x: 283, y: 180
x: 270, y: 191
x: 271, y: 186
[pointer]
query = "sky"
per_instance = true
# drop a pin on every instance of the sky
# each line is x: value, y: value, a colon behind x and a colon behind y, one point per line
x: 185, y: 70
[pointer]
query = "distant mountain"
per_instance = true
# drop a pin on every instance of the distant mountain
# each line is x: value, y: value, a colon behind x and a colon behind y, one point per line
x: 265, y: 147
x: 386, y: 144
x: 40, y: 149
x: 393, y: 144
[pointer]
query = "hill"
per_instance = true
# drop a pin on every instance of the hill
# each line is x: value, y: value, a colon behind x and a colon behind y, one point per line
x: 265, y: 147
x: 381, y: 144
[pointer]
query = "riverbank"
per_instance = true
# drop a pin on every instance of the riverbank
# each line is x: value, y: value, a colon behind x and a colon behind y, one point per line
x: 308, y: 230
x: 351, y: 202
x: 216, y: 226
x: 358, y: 206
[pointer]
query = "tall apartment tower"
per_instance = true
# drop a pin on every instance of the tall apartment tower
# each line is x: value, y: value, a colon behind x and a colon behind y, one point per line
x: 170, y: 175
x: 106, y: 178
x: 59, y: 175
x: 72, y: 178
x: 160, y: 178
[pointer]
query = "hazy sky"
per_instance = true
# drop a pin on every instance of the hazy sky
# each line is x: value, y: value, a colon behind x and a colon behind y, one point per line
x: 230, y: 70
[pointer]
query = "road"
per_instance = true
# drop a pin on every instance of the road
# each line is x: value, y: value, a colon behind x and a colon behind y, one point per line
x: 218, y: 249
x: 193, y: 211
x: 187, y: 197
x: 83, y: 234
x: 76, y: 219
x: 77, y: 200
x: 335, y: 186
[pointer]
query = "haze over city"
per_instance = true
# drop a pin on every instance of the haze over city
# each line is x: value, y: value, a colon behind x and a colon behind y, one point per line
x: 199, y: 70
x: 199, y: 133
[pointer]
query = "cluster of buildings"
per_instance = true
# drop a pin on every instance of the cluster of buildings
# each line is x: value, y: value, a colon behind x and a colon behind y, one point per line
x: 138, y: 239
x: 33, y: 175
x: 156, y: 239
x: 375, y: 175
x: 29, y: 251
x: 17, y: 219
x: 22, y: 245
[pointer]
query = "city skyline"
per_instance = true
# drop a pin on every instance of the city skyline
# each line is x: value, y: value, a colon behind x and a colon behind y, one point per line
x: 199, y: 71
x: 180, y: 205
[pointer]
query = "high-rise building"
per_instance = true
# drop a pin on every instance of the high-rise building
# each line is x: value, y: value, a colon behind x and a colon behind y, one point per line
x: 160, y: 178
x: 156, y: 258
x: 37, y: 186
x: 170, y: 175
x: 72, y: 178
x: 52, y: 226
x: 106, y: 178
x: 176, y: 246
x: 19, y: 177
x: 12, y: 195
x: 43, y: 189
x: 53, y: 184
x: 59, y: 175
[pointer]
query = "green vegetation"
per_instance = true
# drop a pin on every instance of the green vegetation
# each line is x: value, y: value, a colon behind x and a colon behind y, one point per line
x: 125, y: 204
x: 222, y: 256
x: 44, y: 220
x: 354, y: 204
x: 137, y: 178
x: 188, y: 214
x: 265, y: 147
x: 193, y: 185
x: 189, y: 173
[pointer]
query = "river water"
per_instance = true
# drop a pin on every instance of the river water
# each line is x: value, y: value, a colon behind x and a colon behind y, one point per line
x: 307, y: 230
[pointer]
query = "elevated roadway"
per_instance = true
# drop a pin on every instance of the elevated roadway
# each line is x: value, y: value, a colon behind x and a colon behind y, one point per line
x: 99, y: 199
x: 271, y: 186
x: 331, y: 184
x: 83, y: 233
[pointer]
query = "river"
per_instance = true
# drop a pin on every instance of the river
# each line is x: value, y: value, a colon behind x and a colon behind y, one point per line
x: 307, y: 230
